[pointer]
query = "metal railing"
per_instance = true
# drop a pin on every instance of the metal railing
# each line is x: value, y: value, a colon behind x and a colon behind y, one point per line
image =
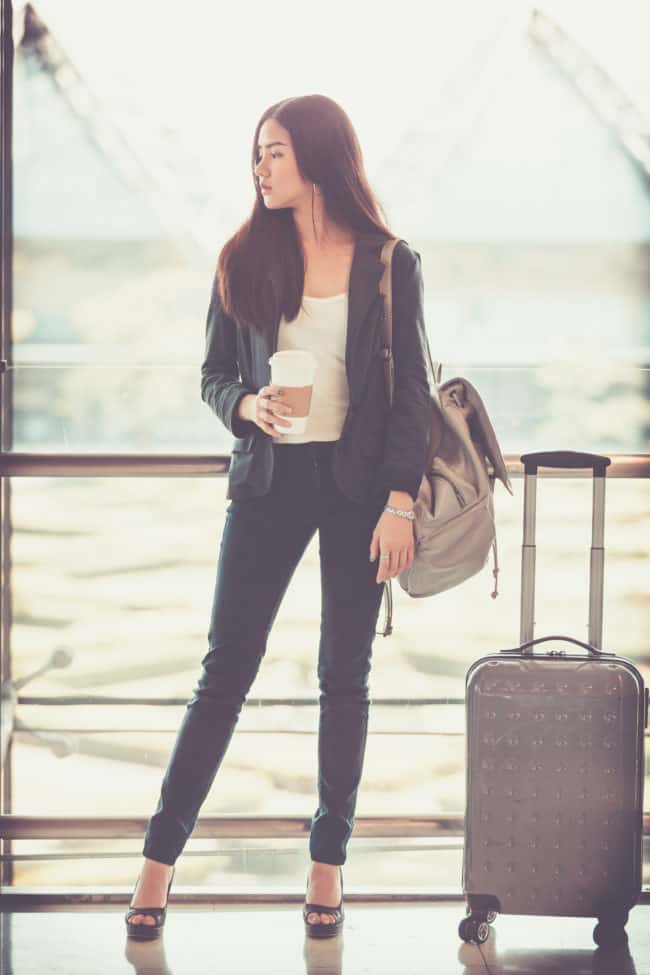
x: 196, y: 465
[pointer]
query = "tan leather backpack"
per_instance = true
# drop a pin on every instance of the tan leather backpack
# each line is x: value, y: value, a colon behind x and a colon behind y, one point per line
x: 454, y: 510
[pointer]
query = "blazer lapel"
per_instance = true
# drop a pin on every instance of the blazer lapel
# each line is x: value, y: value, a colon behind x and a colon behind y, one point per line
x: 363, y: 295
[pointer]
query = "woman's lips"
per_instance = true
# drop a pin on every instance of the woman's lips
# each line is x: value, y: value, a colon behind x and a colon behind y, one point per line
x: 265, y: 189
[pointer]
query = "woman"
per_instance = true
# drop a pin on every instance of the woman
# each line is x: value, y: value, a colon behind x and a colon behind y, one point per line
x: 302, y: 272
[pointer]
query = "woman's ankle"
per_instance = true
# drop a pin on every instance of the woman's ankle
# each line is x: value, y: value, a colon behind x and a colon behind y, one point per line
x: 156, y: 868
x: 157, y: 863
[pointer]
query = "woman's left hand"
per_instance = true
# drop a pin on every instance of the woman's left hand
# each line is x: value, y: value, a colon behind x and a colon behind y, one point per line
x: 395, y: 537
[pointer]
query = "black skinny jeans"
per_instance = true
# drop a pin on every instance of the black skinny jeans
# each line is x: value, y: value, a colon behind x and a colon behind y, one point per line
x: 263, y: 541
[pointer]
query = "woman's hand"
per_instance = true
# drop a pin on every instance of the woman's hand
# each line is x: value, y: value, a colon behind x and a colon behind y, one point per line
x: 395, y: 537
x: 267, y: 408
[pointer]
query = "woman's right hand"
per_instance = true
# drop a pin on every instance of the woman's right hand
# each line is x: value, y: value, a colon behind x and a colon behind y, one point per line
x: 267, y: 408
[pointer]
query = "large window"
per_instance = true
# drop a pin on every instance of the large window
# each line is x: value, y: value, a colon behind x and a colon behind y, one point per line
x: 530, y: 207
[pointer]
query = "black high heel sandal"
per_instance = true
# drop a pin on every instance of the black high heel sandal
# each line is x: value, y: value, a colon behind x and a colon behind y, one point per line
x: 142, y: 931
x: 323, y: 929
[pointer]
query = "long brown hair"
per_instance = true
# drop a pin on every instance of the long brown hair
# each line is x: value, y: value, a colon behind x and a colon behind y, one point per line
x: 260, y: 270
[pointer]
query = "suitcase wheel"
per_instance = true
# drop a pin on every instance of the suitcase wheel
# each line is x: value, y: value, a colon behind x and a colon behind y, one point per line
x: 612, y: 917
x: 489, y: 917
x: 474, y: 930
x: 609, y: 934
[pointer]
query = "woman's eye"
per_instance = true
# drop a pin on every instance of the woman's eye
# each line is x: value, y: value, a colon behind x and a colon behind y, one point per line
x: 274, y: 155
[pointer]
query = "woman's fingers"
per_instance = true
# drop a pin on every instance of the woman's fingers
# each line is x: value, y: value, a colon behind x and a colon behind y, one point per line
x: 395, y: 564
x: 269, y: 409
x: 385, y: 570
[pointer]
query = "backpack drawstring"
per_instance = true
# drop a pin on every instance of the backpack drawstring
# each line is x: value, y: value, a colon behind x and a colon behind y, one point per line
x: 495, y: 559
x: 388, y: 598
x: 495, y: 570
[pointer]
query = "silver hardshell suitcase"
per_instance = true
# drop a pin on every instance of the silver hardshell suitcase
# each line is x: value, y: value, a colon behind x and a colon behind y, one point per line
x: 554, y: 760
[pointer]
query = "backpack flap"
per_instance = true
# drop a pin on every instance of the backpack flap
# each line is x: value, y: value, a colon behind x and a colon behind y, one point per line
x: 471, y: 405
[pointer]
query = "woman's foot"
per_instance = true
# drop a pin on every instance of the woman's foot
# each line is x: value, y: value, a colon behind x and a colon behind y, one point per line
x: 324, y: 888
x: 151, y: 889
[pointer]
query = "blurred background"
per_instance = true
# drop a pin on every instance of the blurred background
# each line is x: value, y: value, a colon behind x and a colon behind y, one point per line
x: 509, y: 143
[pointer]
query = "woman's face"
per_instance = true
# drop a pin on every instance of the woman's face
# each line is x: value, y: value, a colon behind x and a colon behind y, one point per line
x: 276, y: 168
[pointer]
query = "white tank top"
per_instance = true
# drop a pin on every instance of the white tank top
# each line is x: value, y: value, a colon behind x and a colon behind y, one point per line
x: 321, y: 328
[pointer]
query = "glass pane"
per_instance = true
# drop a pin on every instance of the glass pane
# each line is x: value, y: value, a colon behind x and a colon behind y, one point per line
x: 118, y: 573
x: 78, y: 409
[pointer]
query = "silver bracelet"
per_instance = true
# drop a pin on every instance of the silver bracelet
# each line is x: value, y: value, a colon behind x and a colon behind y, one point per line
x: 408, y: 513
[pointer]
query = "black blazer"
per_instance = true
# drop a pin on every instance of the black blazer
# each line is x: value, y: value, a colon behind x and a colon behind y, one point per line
x: 380, y: 449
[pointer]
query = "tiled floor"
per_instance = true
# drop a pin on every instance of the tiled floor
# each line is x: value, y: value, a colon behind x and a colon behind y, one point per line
x: 378, y: 939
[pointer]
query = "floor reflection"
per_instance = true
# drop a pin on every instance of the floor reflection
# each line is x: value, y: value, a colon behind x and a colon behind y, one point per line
x: 378, y: 939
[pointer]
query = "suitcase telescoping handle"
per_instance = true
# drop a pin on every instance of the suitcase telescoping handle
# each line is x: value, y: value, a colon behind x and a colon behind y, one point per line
x: 565, y: 460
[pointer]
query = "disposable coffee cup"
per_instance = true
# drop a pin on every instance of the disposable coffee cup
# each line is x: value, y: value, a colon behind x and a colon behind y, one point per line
x: 294, y: 371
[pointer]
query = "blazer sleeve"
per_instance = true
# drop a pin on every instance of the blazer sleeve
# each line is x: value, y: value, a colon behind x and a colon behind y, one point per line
x: 221, y: 388
x: 408, y: 434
